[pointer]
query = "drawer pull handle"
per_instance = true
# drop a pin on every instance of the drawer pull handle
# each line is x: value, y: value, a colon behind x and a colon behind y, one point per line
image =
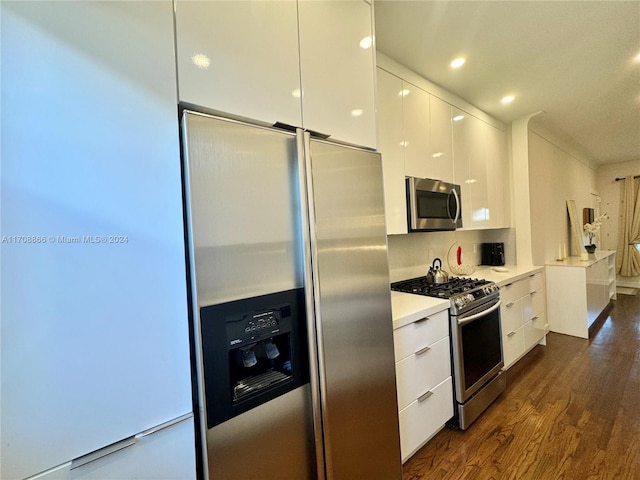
x: 423, y: 350
x: 511, y: 334
x: 534, y: 292
x: 534, y: 319
x: 508, y: 285
x: 422, y: 320
x: 424, y: 396
x: 509, y: 305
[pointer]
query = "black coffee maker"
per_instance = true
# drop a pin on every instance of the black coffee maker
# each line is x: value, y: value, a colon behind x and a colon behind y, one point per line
x: 493, y: 254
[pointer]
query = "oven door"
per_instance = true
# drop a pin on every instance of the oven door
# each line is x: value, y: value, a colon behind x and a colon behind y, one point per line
x: 477, y: 348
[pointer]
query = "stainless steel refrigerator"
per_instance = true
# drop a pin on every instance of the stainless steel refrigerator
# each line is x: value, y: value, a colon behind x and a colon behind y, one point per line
x: 290, y: 304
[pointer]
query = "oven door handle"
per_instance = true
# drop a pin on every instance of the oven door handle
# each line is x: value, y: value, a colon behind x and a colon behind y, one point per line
x: 481, y: 314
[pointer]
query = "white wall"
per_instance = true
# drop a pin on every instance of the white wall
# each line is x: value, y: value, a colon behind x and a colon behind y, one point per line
x: 610, y: 191
x: 555, y: 176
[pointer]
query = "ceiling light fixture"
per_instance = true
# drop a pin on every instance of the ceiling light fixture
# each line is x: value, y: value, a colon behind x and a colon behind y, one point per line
x: 458, y: 62
x: 200, y: 60
x: 366, y: 42
x: 457, y: 118
x: 404, y: 92
x: 357, y: 112
x: 508, y: 99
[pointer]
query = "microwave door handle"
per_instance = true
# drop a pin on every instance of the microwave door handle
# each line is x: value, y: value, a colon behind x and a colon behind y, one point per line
x: 455, y: 195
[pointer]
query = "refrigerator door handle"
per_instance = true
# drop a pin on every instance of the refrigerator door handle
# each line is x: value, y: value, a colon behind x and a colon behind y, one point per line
x: 311, y: 285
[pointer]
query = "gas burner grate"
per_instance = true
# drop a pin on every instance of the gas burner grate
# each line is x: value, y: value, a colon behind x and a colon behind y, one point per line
x: 420, y: 286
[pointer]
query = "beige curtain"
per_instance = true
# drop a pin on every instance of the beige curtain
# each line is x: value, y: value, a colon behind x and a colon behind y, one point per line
x: 628, y: 258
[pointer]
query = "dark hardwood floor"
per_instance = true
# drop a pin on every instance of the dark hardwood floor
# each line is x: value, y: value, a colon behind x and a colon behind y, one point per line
x: 571, y: 411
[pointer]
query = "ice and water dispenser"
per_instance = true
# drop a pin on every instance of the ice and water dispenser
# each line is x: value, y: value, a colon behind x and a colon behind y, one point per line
x: 254, y: 350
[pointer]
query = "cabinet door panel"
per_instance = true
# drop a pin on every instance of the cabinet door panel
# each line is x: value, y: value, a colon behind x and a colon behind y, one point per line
x: 411, y: 338
x: 391, y: 141
x: 512, y: 346
x: 419, y: 373
x: 497, y: 165
x: 441, y: 148
x: 95, y: 343
x: 240, y: 58
x: 337, y: 67
x: 415, y: 105
x: 421, y: 420
x: 511, y: 316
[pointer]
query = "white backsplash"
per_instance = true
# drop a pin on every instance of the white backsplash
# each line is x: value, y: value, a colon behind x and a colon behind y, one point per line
x: 411, y: 255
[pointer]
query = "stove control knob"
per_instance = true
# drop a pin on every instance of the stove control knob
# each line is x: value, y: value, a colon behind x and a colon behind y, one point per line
x: 460, y: 302
x: 470, y: 297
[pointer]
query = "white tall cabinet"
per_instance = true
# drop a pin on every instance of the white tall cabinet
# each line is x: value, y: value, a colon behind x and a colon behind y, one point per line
x: 94, y: 338
x: 307, y: 63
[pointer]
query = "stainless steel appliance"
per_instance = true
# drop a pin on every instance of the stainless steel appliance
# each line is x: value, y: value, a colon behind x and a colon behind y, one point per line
x: 291, y: 307
x: 476, y: 341
x: 433, y: 205
x: 492, y: 254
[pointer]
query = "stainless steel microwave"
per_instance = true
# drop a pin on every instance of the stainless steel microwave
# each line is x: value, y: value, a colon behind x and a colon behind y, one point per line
x: 433, y: 205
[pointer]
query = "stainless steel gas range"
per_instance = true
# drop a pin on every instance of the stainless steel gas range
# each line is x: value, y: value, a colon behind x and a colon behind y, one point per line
x: 476, y: 341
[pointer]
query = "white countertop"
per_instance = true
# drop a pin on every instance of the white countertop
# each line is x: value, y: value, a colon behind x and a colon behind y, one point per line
x: 576, y: 262
x: 407, y: 307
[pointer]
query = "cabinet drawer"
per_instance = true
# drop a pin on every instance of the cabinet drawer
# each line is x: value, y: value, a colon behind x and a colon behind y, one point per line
x: 421, y: 420
x: 411, y: 338
x: 536, y: 283
x: 419, y: 373
x: 538, y: 303
x: 512, y: 346
x: 533, y: 332
x: 513, y: 291
x: 511, y: 316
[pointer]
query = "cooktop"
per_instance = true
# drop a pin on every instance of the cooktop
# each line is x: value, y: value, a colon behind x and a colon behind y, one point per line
x: 454, y: 286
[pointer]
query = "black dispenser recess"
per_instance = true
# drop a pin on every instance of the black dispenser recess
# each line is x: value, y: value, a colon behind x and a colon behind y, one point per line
x: 254, y: 350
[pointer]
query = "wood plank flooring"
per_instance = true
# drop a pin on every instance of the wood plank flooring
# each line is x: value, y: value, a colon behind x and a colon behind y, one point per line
x: 571, y: 411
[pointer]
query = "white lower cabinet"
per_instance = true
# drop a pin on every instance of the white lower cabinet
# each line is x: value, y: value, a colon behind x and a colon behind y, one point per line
x: 424, y: 418
x: 523, y: 316
x: 423, y: 373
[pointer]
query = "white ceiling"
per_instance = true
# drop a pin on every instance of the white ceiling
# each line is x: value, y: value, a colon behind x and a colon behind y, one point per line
x: 574, y: 60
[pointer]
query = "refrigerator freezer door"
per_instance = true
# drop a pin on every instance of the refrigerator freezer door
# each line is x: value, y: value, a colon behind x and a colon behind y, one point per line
x: 243, y: 220
x: 353, y: 314
x: 242, y: 209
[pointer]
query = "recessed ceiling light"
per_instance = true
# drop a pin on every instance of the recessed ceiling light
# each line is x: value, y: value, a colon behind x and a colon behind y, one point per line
x: 508, y: 99
x: 457, y: 118
x: 366, y: 42
x: 404, y: 92
x: 437, y: 155
x: 200, y: 60
x: 357, y: 112
x: 458, y: 62
x: 296, y: 93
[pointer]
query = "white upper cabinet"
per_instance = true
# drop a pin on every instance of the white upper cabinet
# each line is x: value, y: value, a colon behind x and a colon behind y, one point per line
x: 309, y: 63
x: 470, y: 168
x: 337, y: 67
x: 391, y: 141
x: 440, y: 154
x: 415, y: 104
x: 240, y: 58
x: 498, y: 194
